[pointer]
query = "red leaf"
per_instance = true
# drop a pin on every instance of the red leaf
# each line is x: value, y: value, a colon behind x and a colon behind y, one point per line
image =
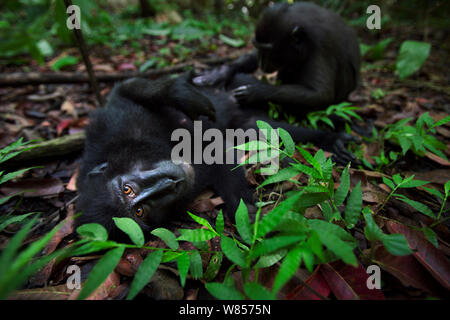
x: 34, y: 187
x: 315, y: 282
x: 348, y: 282
x: 437, y: 159
x: 127, y: 67
x: 406, y: 269
x: 429, y: 256
x: 64, y: 124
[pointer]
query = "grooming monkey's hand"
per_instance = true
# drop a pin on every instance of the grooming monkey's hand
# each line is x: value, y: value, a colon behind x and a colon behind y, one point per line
x: 336, y: 142
x: 190, y: 100
x: 212, y: 77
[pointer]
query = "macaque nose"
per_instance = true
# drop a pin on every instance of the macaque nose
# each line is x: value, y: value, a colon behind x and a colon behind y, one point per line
x: 166, y: 178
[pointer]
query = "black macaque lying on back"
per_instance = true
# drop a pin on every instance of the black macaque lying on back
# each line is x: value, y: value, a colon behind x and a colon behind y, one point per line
x: 314, y: 51
x: 127, y: 169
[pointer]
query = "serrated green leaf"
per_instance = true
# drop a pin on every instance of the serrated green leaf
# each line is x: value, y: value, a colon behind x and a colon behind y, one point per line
x: 270, y: 220
x: 220, y: 223
x: 411, y: 56
x: 213, y: 266
x: 255, y: 291
x: 286, y: 138
x: 343, y: 188
x: 270, y: 259
x: 183, y: 263
x: 288, y: 267
x: 275, y: 243
x: 202, y: 222
x: 388, y: 182
x: 196, y: 235
x: 93, y: 231
x: 131, y: 228
x: 145, y: 273
x: 282, y: 175
x: 243, y: 223
x: 232, y: 252
x: 354, y: 206
x: 396, y: 244
x: 167, y: 236
x: 418, y: 206
x: 101, y: 271
x: 223, y: 292
x: 431, y: 236
x: 196, y: 267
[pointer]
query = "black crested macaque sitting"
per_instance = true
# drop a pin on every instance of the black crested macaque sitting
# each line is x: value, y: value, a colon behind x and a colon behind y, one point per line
x: 127, y: 169
x: 315, y: 53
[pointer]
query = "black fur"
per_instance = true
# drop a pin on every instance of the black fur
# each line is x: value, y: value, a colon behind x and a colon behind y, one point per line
x: 315, y: 53
x: 132, y: 133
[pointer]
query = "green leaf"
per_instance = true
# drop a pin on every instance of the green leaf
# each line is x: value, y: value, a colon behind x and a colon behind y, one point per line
x: 202, y: 222
x: 64, y: 62
x: 220, y: 223
x: 196, y: 266
x: 272, y: 244
x: 307, y: 170
x: 14, y: 174
x: 336, y: 239
x: 243, y: 223
x: 93, y: 231
x: 213, y: 266
x: 441, y: 122
x: 183, y: 263
x: 282, y: 175
x: 434, y: 192
x: 411, y: 56
x: 255, y: 291
x: 14, y: 219
x: 232, y: 252
x: 286, y: 138
x: 148, y: 64
x: 311, y: 199
x: 418, y: 206
x: 270, y: 220
x: 315, y: 245
x: 253, y: 145
x: 413, y: 184
x: 344, y: 186
x: 308, y: 257
x: 101, y: 271
x: 447, y: 188
x: 354, y: 206
x: 145, y: 273
x: 288, y: 268
x: 167, y: 236
x: 431, y: 236
x: 311, y: 160
x: 8, y: 253
x: 131, y: 228
x: 327, y: 211
x: 223, y: 292
x: 396, y: 244
x: 196, y: 235
x: 270, y: 259
x: 235, y: 43
x: 388, y: 182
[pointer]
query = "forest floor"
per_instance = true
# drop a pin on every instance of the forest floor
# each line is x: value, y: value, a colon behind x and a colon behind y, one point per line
x: 48, y: 111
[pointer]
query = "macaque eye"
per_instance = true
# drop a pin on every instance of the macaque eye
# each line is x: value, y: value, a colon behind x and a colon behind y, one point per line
x: 127, y: 189
x: 139, y: 211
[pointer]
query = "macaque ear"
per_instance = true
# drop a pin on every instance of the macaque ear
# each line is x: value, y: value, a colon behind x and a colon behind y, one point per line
x: 100, y: 169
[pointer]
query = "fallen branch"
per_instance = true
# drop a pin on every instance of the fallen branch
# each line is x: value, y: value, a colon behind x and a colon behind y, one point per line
x: 49, y: 149
x: 34, y: 78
